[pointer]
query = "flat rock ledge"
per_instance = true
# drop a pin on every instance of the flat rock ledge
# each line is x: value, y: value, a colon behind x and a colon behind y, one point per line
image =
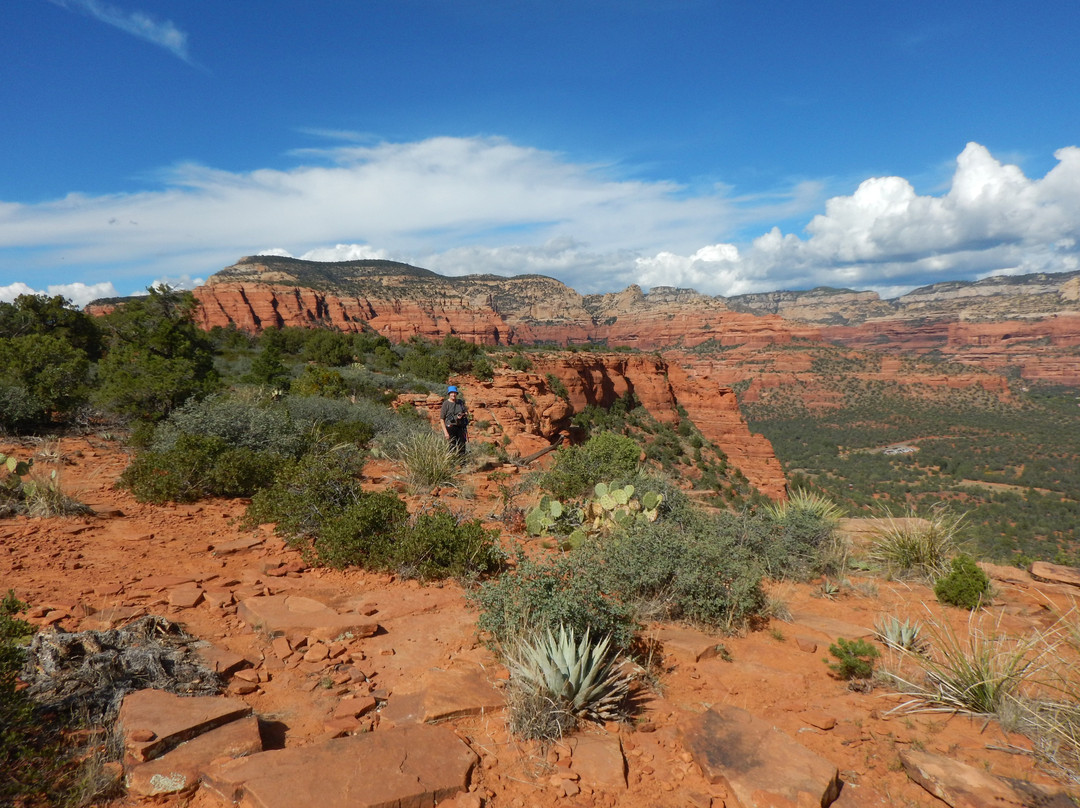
x: 170, y: 741
x: 294, y: 616
x: 758, y: 763
x: 964, y: 786
x: 406, y: 767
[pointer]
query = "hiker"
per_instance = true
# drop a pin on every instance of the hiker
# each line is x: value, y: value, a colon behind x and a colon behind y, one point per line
x: 454, y: 418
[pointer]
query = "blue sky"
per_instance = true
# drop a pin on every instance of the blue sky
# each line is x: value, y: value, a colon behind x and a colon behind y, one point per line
x: 726, y: 146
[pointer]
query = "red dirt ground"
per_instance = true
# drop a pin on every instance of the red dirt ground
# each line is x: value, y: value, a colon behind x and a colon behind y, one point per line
x: 129, y: 556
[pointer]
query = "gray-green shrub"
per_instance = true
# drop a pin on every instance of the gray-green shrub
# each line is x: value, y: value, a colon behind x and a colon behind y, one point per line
x: 262, y: 426
x: 693, y: 571
x: 539, y: 596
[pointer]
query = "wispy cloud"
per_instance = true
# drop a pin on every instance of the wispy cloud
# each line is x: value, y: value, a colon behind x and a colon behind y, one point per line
x: 137, y: 23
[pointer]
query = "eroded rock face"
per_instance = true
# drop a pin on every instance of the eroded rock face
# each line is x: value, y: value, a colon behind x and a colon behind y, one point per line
x: 523, y: 407
x: 400, y: 301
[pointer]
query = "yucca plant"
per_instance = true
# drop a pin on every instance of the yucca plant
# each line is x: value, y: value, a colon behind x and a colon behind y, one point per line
x: 809, y: 503
x: 903, y: 636
x: 571, y: 677
x: 919, y: 547
x: 984, y: 673
x: 427, y: 460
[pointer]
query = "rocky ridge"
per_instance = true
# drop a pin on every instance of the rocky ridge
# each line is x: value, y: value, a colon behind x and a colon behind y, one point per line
x: 1031, y: 323
x: 521, y: 411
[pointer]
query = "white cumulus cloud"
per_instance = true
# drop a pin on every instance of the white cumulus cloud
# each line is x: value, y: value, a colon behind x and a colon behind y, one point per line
x: 78, y: 293
x: 483, y: 204
x: 992, y: 220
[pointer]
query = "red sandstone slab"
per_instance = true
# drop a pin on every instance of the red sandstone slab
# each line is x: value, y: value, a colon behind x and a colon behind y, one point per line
x: 295, y: 616
x: 688, y: 645
x: 186, y: 596
x: 181, y: 769
x: 172, y: 719
x: 758, y: 762
x: 407, y: 767
x: 236, y: 546
x: 964, y: 786
x: 221, y: 660
x: 158, y: 583
x: 441, y: 695
x: 599, y: 760
x: 1055, y: 573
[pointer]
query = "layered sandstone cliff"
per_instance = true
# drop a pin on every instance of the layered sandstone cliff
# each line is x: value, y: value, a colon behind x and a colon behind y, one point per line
x: 400, y: 301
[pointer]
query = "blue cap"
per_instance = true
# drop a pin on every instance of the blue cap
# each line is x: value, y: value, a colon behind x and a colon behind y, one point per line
x: 451, y: 389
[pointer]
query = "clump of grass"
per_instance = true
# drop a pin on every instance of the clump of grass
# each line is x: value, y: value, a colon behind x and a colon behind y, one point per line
x: 25, y: 490
x: 43, y: 496
x: 982, y: 673
x: 427, y: 460
x: 917, y: 547
x: 807, y: 502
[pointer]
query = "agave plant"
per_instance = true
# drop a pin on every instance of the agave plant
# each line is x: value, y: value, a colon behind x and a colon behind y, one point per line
x: 581, y: 677
x: 903, y: 636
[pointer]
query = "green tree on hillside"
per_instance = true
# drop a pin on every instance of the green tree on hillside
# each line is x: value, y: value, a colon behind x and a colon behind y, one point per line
x: 157, y: 358
x: 54, y: 316
x: 45, y: 350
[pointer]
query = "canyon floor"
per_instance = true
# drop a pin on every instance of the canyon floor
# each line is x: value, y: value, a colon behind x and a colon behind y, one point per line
x: 196, y: 565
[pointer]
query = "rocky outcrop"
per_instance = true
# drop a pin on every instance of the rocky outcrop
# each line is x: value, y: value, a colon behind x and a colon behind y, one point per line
x: 521, y: 410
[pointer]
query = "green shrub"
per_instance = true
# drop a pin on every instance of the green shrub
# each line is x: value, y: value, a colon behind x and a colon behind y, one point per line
x: 197, y: 467
x: 41, y: 377
x: 538, y: 597
x: 308, y: 495
x: 966, y: 585
x: 358, y: 433
x: 332, y: 348
x: 268, y: 369
x: 363, y: 533
x: 439, y: 544
x: 854, y: 658
x: 157, y: 358
x: 317, y: 380
x: 54, y: 316
x: 482, y: 369
x: 605, y: 456
x: 556, y: 386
